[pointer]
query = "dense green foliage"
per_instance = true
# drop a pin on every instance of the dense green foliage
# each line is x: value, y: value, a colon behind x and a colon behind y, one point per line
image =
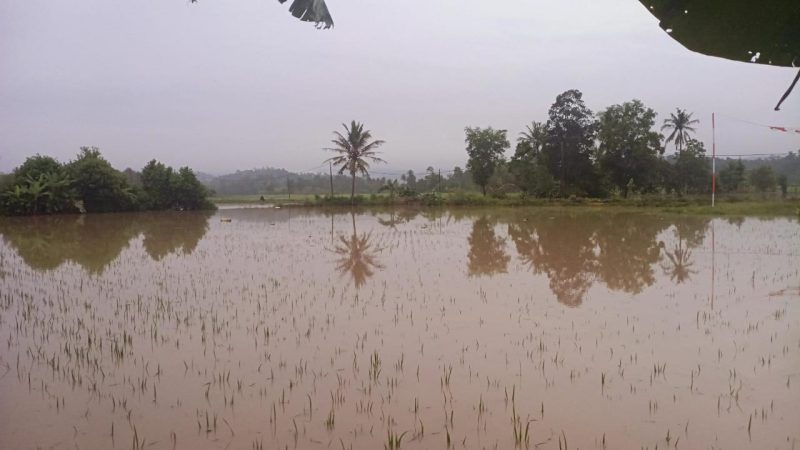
x: 628, y: 149
x: 569, y: 145
x: 42, y: 185
x: 485, y: 147
x: 763, y: 179
x: 617, y: 152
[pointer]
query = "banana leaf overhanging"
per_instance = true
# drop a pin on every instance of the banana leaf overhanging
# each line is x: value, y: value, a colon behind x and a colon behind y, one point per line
x: 756, y: 31
x: 311, y: 11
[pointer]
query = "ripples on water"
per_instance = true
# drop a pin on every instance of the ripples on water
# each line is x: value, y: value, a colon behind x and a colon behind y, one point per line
x: 288, y: 328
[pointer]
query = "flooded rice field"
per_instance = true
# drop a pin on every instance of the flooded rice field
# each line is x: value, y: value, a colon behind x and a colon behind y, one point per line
x: 496, y: 329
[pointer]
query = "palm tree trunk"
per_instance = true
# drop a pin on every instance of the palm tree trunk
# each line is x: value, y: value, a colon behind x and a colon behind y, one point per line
x: 353, y: 188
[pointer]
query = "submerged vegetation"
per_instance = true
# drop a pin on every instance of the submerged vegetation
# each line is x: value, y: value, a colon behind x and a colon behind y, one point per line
x: 42, y: 185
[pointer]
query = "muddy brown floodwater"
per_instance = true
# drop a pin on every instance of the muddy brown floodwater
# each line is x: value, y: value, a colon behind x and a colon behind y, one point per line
x: 304, y: 329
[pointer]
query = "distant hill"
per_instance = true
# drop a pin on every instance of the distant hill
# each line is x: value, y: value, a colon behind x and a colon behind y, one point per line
x: 270, y: 180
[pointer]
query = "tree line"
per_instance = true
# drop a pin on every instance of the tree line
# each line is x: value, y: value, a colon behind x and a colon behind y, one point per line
x: 614, y: 152
x: 575, y: 152
x: 43, y: 185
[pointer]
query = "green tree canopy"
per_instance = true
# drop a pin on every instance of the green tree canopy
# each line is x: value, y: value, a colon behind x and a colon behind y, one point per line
x: 156, y: 180
x: 570, y: 142
x: 485, y: 149
x: 693, y: 169
x: 36, y: 165
x: 731, y: 177
x: 763, y: 179
x: 628, y: 147
x: 101, y: 187
x: 528, y: 164
x: 187, y: 192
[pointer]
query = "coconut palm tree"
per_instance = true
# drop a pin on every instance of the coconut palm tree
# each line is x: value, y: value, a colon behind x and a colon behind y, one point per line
x: 681, y: 125
x: 534, y: 135
x: 392, y: 187
x: 355, y: 152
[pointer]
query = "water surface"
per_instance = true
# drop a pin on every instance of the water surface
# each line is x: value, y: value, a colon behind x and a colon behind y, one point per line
x: 288, y: 328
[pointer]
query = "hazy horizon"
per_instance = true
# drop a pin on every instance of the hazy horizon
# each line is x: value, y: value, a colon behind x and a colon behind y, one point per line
x: 240, y: 85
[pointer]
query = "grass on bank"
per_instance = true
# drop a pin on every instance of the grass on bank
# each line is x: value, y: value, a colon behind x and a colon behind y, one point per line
x: 725, y: 205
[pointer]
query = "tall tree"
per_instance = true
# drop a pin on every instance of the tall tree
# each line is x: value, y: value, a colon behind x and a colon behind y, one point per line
x: 355, y: 152
x: 156, y: 179
x: 527, y: 164
x: 680, y: 126
x: 531, y: 141
x: 763, y: 179
x: 36, y: 165
x: 627, y: 146
x: 731, y: 177
x: 101, y: 187
x: 570, y: 140
x: 485, y: 148
x: 693, y: 168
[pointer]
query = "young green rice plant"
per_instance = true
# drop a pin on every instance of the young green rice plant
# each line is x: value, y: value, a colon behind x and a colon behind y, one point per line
x: 393, y: 440
x: 331, y: 420
x: 375, y: 367
x: 446, y: 374
x: 521, y: 432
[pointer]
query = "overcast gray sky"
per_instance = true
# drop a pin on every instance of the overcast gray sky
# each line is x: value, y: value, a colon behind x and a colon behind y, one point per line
x: 237, y: 84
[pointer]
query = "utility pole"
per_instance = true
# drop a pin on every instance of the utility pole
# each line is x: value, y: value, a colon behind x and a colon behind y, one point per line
x: 330, y: 166
x: 440, y: 181
x: 561, y: 186
x: 713, y: 163
x: 289, y: 186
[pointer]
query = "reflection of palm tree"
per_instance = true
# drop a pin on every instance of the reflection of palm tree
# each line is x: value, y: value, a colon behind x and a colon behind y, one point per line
x: 681, y: 263
x: 392, y: 187
x: 357, y: 256
x: 690, y: 234
x: 392, y: 221
x: 397, y: 217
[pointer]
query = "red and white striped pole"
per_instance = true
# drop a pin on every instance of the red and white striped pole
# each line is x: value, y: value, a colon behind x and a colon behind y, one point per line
x: 713, y: 159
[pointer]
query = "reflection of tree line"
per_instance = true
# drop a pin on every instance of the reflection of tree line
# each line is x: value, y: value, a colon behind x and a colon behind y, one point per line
x: 619, y: 250
x: 94, y: 241
x: 573, y: 251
